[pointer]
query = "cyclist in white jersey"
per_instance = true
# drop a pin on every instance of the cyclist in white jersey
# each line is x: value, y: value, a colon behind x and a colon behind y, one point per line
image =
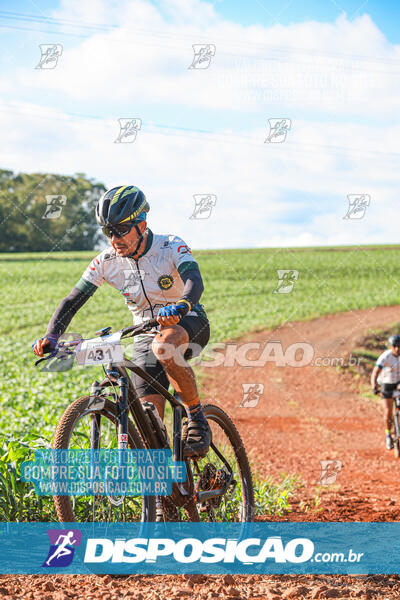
x: 157, y: 277
x: 387, y: 373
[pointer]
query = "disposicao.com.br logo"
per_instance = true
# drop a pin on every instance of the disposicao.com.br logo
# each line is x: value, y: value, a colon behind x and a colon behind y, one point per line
x: 213, y: 550
x: 184, y: 547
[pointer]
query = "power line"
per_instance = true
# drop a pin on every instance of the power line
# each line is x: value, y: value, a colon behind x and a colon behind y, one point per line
x: 97, y: 27
x: 278, y: 59
x: 208, y: 135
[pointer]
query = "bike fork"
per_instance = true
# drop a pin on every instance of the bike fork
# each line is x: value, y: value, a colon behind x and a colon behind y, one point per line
x: 123, y: 413
x: 95, y: 420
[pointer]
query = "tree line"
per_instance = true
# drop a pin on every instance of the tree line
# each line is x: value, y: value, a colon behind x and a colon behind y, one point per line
x: 47, y: 212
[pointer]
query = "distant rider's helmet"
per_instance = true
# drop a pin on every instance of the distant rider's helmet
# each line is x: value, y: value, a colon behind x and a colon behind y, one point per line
x: 394, y: 340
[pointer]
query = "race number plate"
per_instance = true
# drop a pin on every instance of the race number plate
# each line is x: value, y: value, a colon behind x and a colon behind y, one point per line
x: 103, y: 350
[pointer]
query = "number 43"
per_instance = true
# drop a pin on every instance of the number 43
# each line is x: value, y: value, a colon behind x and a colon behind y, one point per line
x: 99, y: 354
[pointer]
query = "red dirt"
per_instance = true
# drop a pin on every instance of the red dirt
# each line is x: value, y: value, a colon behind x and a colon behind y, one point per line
x: 315, y: 413
x: 305, y: 415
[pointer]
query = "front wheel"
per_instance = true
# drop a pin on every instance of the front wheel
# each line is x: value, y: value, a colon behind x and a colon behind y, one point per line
x: 225, y: 462
x: 91, y: 422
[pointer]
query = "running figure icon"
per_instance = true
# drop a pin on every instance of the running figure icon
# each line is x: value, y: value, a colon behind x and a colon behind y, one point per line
x: 62, y: 543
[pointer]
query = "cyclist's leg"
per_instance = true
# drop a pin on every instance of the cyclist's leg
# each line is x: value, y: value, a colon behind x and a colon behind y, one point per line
x: 173, y: 346
x: 144, y: 357
x: 388, y: 412
x: 387, y: 400
x: 169, y: 348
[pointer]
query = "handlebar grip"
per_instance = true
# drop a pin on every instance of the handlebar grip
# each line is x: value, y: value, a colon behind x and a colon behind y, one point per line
x: 46, y: 348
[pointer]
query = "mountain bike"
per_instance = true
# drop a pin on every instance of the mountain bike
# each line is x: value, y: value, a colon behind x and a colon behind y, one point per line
x: 218, y: 487
x: 396, y: 421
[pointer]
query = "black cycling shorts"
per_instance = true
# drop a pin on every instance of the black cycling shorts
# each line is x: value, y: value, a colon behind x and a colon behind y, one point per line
x: 198, y: 330
x: 387, y: 389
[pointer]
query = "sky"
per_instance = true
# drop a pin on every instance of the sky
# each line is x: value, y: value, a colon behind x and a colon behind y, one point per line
x: 291, y: 117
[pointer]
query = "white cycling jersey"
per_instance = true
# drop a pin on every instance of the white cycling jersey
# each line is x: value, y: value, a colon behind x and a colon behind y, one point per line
x: 146, y: 283
x: 390, y: 365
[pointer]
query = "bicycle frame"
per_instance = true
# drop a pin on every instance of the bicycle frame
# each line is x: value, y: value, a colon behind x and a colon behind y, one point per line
x: 129, y: 401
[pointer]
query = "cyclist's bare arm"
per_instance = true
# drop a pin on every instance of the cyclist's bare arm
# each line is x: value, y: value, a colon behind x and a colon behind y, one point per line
x: 62, y: 316
x: 374, y: 376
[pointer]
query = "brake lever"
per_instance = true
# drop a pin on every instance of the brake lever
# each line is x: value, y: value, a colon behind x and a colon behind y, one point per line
x: 37, y: 362
x: 51, y: 355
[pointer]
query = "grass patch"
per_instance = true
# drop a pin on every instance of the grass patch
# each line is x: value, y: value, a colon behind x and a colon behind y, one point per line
x: 273, y: 498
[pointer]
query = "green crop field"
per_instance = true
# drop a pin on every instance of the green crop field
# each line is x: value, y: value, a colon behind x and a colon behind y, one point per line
x: 239, y: 297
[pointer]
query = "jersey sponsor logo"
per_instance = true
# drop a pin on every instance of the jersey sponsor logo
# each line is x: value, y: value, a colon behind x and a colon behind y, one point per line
x: 165, y: 282
x: 110, y: 255
x: 183, y: 249
x: 94, y: 264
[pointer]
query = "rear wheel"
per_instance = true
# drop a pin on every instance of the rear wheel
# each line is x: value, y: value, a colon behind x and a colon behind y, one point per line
x: 396, y: 441
x: 92, y: 422
x: 396, y: 449
x: 225, y: 462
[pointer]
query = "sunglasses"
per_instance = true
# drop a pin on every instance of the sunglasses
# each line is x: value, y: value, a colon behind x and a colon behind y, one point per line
x: 118, y: 230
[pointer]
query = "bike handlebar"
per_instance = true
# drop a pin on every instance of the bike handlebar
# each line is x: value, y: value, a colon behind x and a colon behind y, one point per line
x: 137, y: 329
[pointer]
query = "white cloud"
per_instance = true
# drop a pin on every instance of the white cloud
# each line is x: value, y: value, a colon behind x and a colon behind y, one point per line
x: 333, y: 80
x: 336, y: 67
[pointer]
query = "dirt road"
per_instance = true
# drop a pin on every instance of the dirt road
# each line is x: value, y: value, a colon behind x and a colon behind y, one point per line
x: 305, y: 415
x: 316, y: 413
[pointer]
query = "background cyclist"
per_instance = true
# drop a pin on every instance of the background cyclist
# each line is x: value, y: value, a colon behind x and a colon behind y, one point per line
x: 387, y: 369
